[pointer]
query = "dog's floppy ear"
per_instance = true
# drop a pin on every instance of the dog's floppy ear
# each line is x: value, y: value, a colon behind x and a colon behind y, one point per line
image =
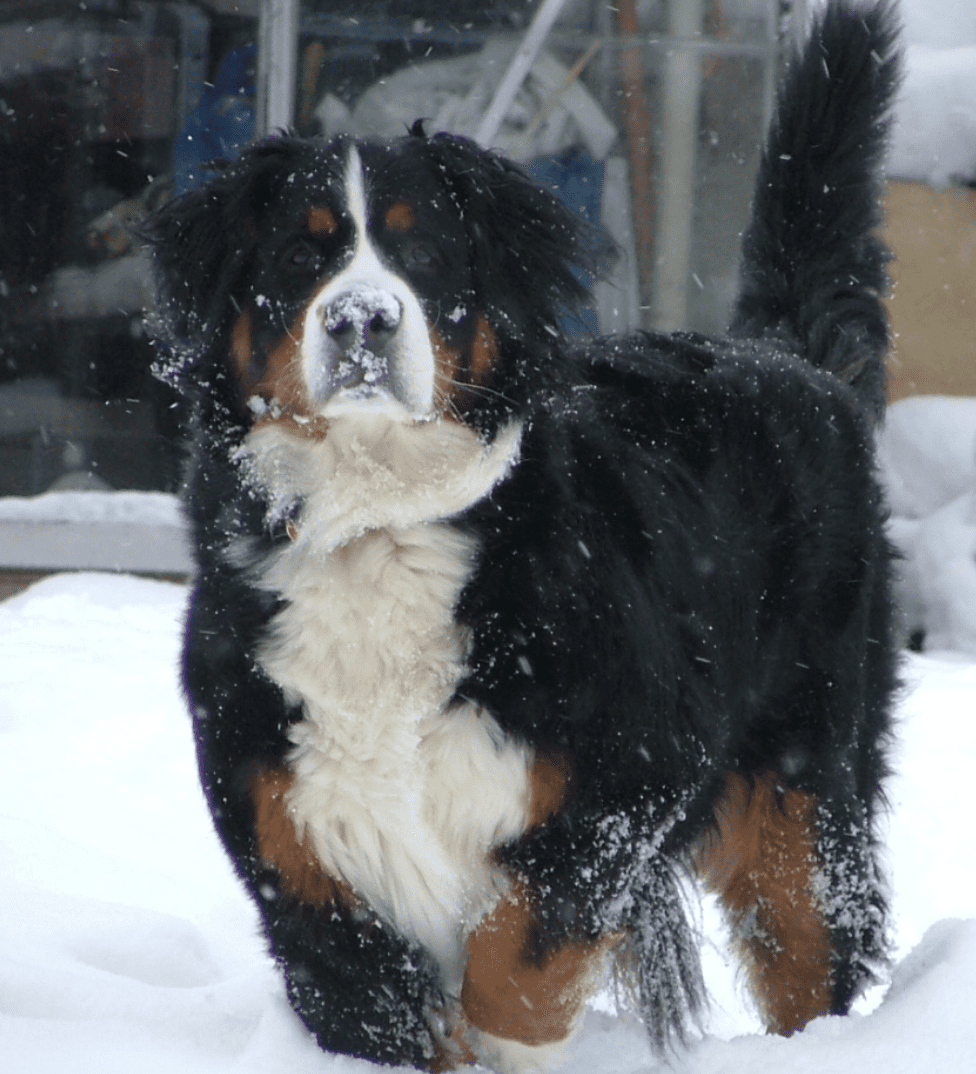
x: 528, y: 242
x: 202, y: 243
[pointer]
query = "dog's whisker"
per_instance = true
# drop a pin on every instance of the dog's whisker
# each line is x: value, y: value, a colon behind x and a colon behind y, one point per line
x: 474, y: 389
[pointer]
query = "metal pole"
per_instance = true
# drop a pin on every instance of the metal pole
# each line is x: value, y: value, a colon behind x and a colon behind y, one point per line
x: 277, y: 61
x: 682, y: 93
x: 799, y: 10
x: 520, y: 66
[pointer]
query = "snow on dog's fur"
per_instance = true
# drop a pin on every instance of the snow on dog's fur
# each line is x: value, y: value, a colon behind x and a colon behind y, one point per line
x: 494, y: 633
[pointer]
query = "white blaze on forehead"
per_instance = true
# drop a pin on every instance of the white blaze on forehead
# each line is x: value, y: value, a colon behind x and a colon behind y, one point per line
x: 357, y: 285
x: 356, y: 193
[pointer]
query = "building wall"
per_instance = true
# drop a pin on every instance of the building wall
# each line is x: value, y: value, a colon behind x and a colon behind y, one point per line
x: 933, y: 307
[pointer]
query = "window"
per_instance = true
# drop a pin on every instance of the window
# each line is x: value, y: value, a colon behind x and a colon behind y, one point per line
x: 644, y: 114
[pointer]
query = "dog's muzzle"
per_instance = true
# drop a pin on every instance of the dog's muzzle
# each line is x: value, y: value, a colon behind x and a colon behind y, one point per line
x: 366, y: 348
x: 362, y: 327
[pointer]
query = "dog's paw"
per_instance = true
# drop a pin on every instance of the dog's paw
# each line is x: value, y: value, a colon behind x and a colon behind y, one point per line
x: 506, y: 1056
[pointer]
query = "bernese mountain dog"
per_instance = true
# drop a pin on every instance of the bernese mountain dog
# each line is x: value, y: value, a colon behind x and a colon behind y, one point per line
x: 496, y: 635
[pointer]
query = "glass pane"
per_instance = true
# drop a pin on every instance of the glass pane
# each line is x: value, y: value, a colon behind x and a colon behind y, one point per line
x: 593, y: 118
x: 96, y: 100
x: 109, y: 106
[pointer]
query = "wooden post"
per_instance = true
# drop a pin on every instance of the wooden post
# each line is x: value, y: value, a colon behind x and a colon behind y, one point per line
x: 637, y: 125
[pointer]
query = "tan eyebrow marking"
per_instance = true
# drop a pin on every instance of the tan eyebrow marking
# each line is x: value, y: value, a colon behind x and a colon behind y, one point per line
x: 321, y: 220
x: 400, y: 216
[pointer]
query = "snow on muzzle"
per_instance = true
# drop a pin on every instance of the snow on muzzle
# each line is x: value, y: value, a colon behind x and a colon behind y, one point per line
x: 365, y: 347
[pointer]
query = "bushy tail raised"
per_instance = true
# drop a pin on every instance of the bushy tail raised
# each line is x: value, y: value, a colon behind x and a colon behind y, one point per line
x: 813, y: 266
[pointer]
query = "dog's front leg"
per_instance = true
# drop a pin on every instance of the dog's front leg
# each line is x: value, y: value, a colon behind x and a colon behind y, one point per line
x: 527, y: 979
x: 358, y: 985
x: 525, y: 998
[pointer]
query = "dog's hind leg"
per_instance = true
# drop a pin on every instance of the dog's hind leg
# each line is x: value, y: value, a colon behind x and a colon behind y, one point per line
x: 763, y: 859
x: 852, y: 895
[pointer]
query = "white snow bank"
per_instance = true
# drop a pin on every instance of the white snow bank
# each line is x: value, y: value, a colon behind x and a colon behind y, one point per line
x: 938, y: 23
x: 927, y: 460
x: 927, y: 452
x: 126, y: 942
x: 925, y: 1023
x: 145, y: 508
x: 136, y: 531
x: 934, y: 135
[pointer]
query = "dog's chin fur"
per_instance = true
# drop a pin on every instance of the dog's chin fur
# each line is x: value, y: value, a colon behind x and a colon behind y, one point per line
x: 373, y: 473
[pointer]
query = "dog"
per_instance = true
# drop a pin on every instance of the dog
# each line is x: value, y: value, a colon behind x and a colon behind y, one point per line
x: 497, y: 635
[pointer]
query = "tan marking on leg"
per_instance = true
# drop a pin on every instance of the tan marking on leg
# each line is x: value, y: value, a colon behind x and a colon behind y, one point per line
x: 321, y: 220
x: 508, y: 993
x: 277, y: 842
x: 453, y: 1050
x: 762, y: 860
x: 400, y: 217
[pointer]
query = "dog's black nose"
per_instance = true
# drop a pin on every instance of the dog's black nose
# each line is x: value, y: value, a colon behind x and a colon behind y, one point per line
x: 365, y: 318
x: 362, y: 324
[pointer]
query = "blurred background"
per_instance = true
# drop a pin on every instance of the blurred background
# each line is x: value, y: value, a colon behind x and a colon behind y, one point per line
x: 645, y: 115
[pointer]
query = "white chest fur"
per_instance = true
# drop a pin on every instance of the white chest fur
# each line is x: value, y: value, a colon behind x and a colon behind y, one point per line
x: 401, y: 796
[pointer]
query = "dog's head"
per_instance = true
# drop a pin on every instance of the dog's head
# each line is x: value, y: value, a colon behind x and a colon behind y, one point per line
x: 418, y: 278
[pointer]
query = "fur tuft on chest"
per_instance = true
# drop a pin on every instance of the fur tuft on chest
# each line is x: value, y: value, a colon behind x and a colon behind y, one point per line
x: 402, y: 792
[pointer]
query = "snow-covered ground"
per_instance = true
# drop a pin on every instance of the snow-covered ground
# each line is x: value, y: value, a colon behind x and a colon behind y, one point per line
x: 127, y: 945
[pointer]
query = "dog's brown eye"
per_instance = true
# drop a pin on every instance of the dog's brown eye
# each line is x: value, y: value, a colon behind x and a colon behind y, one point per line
x: 301, y: 257
x: 417, y: 256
